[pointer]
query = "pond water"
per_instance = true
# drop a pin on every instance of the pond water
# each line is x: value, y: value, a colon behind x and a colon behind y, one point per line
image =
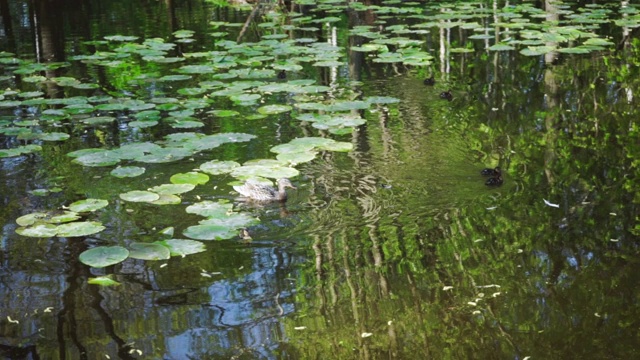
x: 124, y: 126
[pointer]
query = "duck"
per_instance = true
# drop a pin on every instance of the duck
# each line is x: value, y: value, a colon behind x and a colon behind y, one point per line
x: 282, y: 74
x: 430, y: 81
x: 491, y: 172
x: 262, y: 192
x: 494, y: 181
x: 446, y: 95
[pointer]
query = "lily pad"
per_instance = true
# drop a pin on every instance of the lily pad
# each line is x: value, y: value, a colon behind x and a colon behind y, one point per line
x: 167, y: 199
x: 182, y: 247
x: 54, y: 136
x: 147, y: 251
x: 275, y: 172
x: 172, y: 189
x: 233, y: 220
x: 139, y: 196
x: 102, y: 256
x: 297, y: 157
x: 210, y: 232
x: 217, y: 167
x: 127, y: 171
x: 30, y: 219
x: 274, y: 109
x: 82, y: 228
x: 210, y: 208
x: 88, y: 205
x: 190, y: 178
x: 39, y: 231
x: 103, y: 281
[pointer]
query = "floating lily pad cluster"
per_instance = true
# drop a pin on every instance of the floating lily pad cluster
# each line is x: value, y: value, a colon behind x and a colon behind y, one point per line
x: 102, y: 256
x: 221, y: 221
x: 62, y: 223
x: 522, y: 27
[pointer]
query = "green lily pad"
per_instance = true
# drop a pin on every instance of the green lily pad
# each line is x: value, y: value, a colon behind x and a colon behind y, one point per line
x: 127, y: 171
x: 172, y: 189
x: 275, y: 172
x: 54, y: 136
x: 88, y: 205
x: 98, y: 158
x: 39, y: 231
x: 167, y: 199
x: 147, y: 251
x: 224, y: 113
x: 210, y: 208
x: 337, y: 146
x: 190, y: 178
x: 210, y: 232
x: 99, y: 120
x: 297, y: 157
x: 82, y: 228
x: 65, y: 217
x: 30, y: 219
x: 174, y: 78
x: 217, y: 167
x: 274, y: 109
x: 139, y: 196
x: 102, y: 256
x: 232, y: 220
x: 122, y: 38
x: 182, y: 247
x: 103, y: 281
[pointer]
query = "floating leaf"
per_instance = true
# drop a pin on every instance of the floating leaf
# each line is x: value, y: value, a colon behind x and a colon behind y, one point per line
x: 217, y: 167
x: 139, y: 196
x: 54, y: 136
x: 82, y: 228
x: 182, y: 247
x: 190, y: 178
x: 297, y: 157
x: 127, y: 171
x: 88, y: 205
x: 103, y: 281
x: 210, y: 208
x: 30, y: 219
x: 147, y: 251
x: 102, y: 256
x: 275, y: 172
x: 274, y: 109
x: 39, y: 231
x: 210, y: 232
x: 172, y: 189
x: 232, y: 220
x: 167, y: 199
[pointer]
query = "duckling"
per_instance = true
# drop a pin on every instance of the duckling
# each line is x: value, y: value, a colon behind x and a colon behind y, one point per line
x: 446, y: 95
x: 430, y: 81
x: 282, y: 74
x: 494, y: 181
x: 491, y: 172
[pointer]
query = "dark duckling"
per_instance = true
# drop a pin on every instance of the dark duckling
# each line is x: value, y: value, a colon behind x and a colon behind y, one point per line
x: 430, y: 81
x: 282, y: 74
x: 491, y: 172
x: 446, y: 95
x: 494, y: 181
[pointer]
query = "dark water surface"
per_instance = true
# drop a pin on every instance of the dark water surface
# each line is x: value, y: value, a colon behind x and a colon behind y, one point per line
x: 395, y: 250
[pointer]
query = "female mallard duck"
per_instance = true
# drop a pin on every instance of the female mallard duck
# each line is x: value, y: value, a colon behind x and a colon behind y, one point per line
x: 262, y: 192
x: 491, y: 172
